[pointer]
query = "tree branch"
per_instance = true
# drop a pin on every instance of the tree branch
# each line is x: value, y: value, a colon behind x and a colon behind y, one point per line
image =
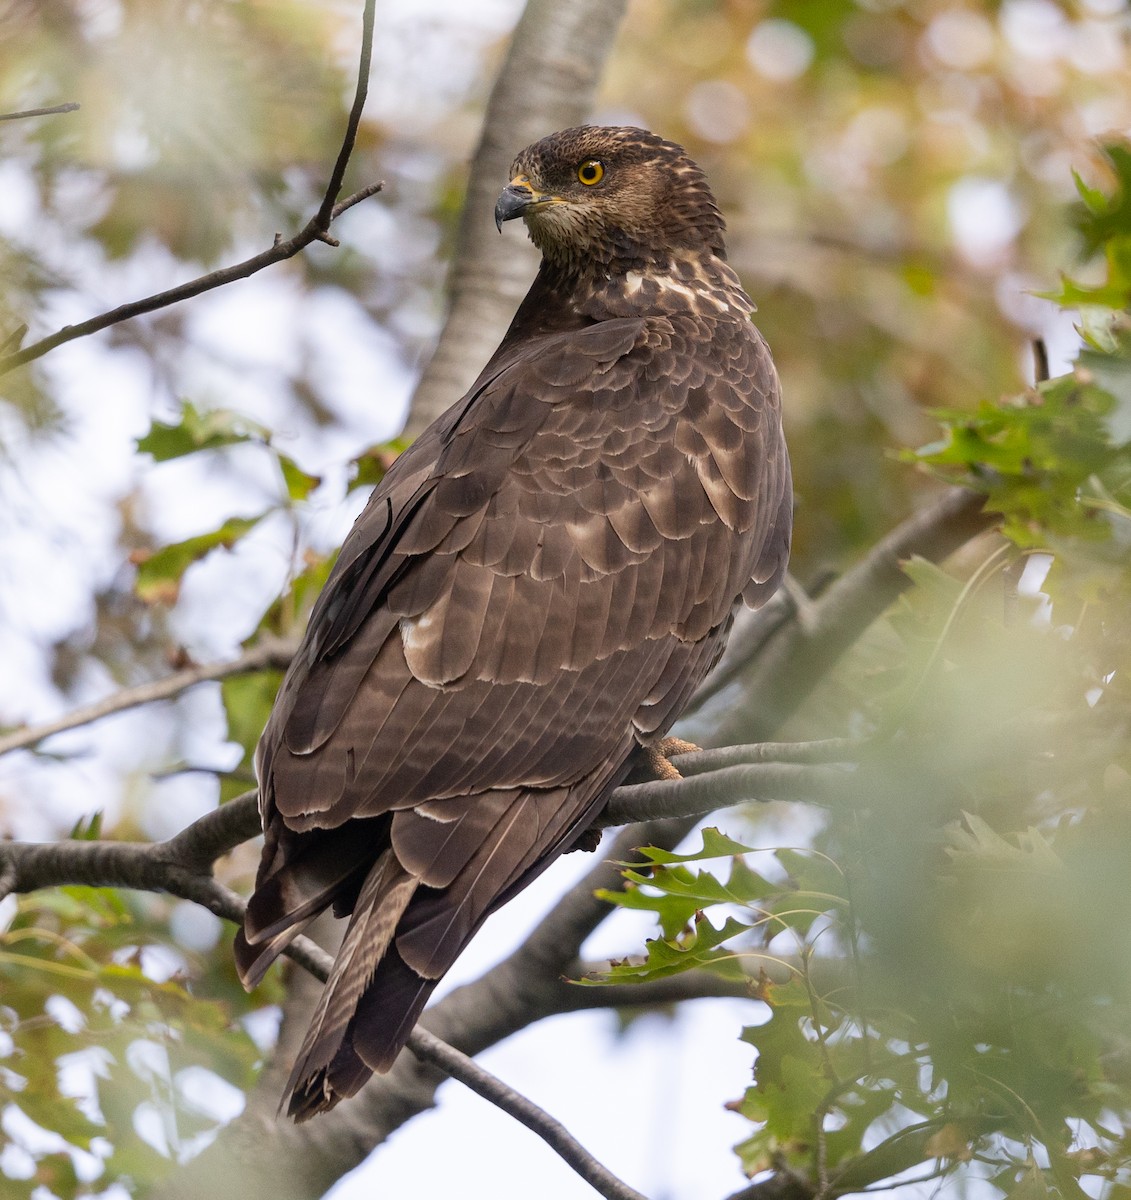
x: 316, y: 229
x: 547, y: 82
x: 781, y: 669
x: 696, y: 795
x: 329, y: 209
x: 665, y: 806
x: 431, y: 1049
x: 181, y: 866
x: 216, y: 833
x: 40, y: 112
x: 271, y: 652
x: 823, y: 750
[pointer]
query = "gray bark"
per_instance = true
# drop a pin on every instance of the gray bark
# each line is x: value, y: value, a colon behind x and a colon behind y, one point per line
x: 547, y: 82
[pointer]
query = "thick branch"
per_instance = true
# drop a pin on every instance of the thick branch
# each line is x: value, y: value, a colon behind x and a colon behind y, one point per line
x: 787, y: 665
x: 272, y: 652
x: 666, y: 805
x: 547, y: 82
x: 316, y: 229
x: 696, y: 795
x: 181, y: 866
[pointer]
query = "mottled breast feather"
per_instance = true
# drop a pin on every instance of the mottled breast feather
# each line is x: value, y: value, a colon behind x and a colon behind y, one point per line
x: 535, y: 589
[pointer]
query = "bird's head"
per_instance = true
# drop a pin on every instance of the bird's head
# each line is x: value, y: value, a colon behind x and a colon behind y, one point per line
x: 614, y: 196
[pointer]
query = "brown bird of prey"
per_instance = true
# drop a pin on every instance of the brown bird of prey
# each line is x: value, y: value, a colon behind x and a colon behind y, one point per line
x: 532, y: 593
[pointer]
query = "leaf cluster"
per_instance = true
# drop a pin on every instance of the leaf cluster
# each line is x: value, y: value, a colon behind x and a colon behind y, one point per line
x: 98, y: 1043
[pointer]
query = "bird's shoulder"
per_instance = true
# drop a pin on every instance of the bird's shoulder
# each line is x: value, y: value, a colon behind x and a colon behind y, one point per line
x: 596, y: 488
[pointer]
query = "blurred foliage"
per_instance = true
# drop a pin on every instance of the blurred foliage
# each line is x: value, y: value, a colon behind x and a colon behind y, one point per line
x: 893, y: 176
x: 960, y: 995
x: 904, y: 181
x: 94, y: 1044
x: 960, y: 966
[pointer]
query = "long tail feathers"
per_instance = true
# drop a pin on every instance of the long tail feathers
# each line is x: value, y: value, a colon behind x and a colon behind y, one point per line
x: 427, y: 893
x: 327, y: 1068
x: 293, y: 888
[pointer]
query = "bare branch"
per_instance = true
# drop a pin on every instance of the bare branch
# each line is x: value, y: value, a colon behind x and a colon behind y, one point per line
x: 316, y: 229
x: 696, y: 795
x: 431, y: 1049
x: 799, y: 652
x: 28, y: 866
x: 551, y: 72
x: 40, y: 112
x: 370, y: 189
x: 216, y: 833
x: 666, y: 806
x: 824, y: 750
x: 326, y: 212
x: 272, y: 652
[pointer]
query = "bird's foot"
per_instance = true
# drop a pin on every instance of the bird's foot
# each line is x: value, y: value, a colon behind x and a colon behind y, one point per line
x: 651, y: 763
x: 657, y: 758
x: 587, y: 841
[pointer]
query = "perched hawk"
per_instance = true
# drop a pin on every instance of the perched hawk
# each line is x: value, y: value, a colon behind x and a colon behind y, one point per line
x: 534, y: 590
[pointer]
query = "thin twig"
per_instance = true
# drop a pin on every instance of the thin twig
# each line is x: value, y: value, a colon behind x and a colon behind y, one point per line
x: 431, y: 1049
x: 313, y: 231
x: 365, y: 60
x: 316, y: 229
x: 342, y: 206
x: 40, y: 112
x: 269, y: 653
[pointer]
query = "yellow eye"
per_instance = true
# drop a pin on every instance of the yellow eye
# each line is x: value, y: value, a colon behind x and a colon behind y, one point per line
x: 591, y: 171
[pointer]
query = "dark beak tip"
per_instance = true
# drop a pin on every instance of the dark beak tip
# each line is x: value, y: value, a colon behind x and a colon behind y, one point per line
x: 513, y: 202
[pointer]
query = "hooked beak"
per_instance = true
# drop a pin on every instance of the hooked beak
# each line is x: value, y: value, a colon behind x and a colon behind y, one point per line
x: 514, y: 200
